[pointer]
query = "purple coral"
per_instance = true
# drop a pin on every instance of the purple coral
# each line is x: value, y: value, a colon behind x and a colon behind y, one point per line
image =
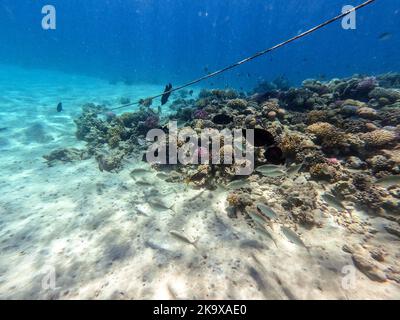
x: 200, y: 114
x: 152, y: 121
x: 367, y: 84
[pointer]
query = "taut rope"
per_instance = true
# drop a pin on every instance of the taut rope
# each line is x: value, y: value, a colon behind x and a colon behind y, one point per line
x: 258, y: 54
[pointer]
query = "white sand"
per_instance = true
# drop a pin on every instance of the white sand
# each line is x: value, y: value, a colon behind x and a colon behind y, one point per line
x: 85, y: 224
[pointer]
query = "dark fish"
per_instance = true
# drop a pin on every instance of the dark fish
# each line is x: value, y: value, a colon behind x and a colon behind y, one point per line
x: 385, y: 36
x: 59, y: 107
x: 3, y: 129
x: 222, y: 119
x: 167, y: 93
x: 191, y: 92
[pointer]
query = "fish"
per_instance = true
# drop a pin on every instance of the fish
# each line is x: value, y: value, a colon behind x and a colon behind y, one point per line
x: 293, y: 237
x: 59, y: 107
x: 266, y: 232
x: 183, y: 237
x: 270, y: 167
x: 159, y: 205
x: 237, y: 184
x: 388, y: 181
x: 266, y: 211
x: 167, y: 93
x: 385, y: 36
x: 144, y: 183
x: 333, y: 201
x: 162, y: 175
x: 191, y: 92
x: 271, y: 173
x: 257, y: 218
x: 293, y: 170
x: 138, y: 171
x: 3, y: 129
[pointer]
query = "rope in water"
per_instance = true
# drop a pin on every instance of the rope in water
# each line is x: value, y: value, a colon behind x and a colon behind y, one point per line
x: 258, y: 54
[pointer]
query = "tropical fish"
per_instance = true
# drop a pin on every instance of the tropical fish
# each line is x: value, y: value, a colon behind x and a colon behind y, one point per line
x: 159, y: 205
x: 271, y: 173
x: 138, y: 171
x: 144, y: 183
x: 59, y: 107
x: 389, y: 181
x: 270, y: 167
x: 333, y: 201
x: 237, y: 184
x: 162, y: 175
x: 183, y: 238
x: 293, y: 170
x: 266, y: 211
x: 167, y: 93
x: 385, y: 36
x: 256, y: 218
x: 293, y: 236
x: 264, y: 231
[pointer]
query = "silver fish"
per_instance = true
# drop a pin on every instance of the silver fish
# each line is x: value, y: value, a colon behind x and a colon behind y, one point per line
x: 266, y: 232
x: 159, y: 205
x: 237, y: 184
x: 162, y: 175
x: 138, y: 172
x: 389, y: 181
x: 293, y: 236
x: 183, y: 237
x: 270, y: 167
x: 256, y: 218
x: 143, y: 182
x: 266, y: 211
x: 293, y: 170
x: 272, y: 174
x: 333, y: 202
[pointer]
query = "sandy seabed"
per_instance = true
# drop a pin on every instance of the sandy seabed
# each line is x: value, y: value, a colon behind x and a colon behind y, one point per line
x: 99, y: 235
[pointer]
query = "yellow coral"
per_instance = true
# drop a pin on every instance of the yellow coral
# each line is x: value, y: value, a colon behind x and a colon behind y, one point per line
x: 237, y: 104
x: 290, y: 143
x: 233, y: 200
x: 378, y: 138
x: 321, y: 129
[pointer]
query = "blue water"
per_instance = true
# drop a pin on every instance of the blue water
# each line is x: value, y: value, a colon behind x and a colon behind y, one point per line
x: 154, y: 41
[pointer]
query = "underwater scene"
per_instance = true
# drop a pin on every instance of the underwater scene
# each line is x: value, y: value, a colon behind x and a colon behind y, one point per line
x: 199, y: 149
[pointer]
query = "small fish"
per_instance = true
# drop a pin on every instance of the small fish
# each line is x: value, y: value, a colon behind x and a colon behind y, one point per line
x: 162, y: 175
x: 3, y: 129
x: 156, y: 204
x: 191, y: 92
x: 138, y: 172
x: 144, y: 183
x: 257, y: 218
x: 293, y: 170
x: 272, y: 174
x: 293, y: 236
x: 333, y: 202
x: 237, y: 184
x: 167, y: 93
x: 389, y: 181
x: 183, y: 238
x: 266, y: 211
x: 385, y: 36
x: 266, y: 232
x: 270, y: 167
x: 59, y: 107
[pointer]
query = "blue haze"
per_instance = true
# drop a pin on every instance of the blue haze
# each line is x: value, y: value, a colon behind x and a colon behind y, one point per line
x: 155, y: 41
